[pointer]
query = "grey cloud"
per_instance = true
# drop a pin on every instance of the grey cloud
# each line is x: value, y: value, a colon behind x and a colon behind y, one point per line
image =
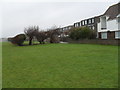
x: 16, y: 16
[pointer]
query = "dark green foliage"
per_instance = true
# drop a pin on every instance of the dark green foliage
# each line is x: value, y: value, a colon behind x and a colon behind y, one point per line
x: 75, y: 34
x: 18, y: 39
x: 82, y: 33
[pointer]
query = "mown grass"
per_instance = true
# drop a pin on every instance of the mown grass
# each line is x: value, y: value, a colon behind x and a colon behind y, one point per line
x: 0, y: 65
x: 60, y: 66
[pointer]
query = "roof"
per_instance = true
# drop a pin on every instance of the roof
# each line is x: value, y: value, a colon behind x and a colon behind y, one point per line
x: 68, y: 26
x: 113, y: 11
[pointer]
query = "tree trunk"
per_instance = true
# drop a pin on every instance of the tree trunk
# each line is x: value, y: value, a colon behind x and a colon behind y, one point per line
x: 30, y: 40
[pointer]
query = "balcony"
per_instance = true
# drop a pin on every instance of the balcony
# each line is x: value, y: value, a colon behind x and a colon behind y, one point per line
x: 103, y: 28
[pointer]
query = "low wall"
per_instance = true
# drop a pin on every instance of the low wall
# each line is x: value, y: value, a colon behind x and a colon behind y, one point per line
x: 94, y: 41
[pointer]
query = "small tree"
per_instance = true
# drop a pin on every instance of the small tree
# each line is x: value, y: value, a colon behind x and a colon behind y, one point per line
x: 53, y: 34
x: 31, y: 32
x: 41, y: 36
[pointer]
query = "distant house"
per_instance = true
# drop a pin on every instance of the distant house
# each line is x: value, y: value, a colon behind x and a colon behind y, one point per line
x: 106, y: 26
x: 109, y: 24
x: 65, y: 30
x: 90, y: 22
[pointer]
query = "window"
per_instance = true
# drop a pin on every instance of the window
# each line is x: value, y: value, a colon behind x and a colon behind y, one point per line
x: 61, y: 29
x: 89, y: 21
x: 66, y: 28
x: 78, y: 24
x: 104, y: 35
x: 82, y: 22
x: 118, y: 23
x: 93, y: 27
x: 117, y: 34
x: 75, y: 24
x: 118, y: 19
x: 92, y: 20
x: 69, y: 27
x: 85, y: 22
x: 103, y: 23
x: 90, y: 27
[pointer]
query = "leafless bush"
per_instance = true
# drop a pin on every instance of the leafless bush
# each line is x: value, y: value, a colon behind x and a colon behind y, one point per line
x: 31, y: 32
x: 53, y: 34
x: 41, y: 36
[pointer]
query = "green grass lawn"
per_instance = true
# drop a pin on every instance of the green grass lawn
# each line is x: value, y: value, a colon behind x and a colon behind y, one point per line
x: 60, y: 66
x: 0, y: 65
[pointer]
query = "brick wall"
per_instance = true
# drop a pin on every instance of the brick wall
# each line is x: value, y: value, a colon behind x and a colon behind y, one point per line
x: 110, y: 35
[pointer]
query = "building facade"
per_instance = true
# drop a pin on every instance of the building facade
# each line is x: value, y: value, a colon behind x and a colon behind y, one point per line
x: 90, y: 22
x: 109, y: 24
x: 106, y: 26
x: 66, y: 30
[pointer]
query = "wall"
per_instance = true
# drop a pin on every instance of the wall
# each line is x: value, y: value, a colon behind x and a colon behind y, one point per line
x: 99, y: 27
x: 112, y: 25
x: 119, y: 24
x: 95, y: 41
x: 110, y: 35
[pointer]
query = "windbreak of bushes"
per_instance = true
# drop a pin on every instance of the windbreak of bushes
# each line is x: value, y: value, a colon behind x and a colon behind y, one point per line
x: 82, y: 33
x: 31, y: 32
x: 18, y: 39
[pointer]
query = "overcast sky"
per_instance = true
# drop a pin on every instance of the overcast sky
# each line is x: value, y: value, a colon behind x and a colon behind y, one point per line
x: 17, y: 15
